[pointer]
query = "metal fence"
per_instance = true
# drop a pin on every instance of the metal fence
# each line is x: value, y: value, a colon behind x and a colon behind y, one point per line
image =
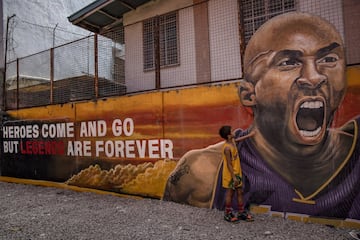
x: 161, y: 52
x: 84, y: 69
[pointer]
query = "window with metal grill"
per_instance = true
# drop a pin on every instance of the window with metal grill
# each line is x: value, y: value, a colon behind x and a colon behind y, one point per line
x: 168, y: 38
x: 256, y: 12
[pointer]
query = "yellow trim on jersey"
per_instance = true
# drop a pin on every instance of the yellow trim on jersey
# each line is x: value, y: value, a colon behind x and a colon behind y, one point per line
x: 307, y: 200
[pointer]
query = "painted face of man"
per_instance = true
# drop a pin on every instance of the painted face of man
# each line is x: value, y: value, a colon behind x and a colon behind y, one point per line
x: 297, y: 66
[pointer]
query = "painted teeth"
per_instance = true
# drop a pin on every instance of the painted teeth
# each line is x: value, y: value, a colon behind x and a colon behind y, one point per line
x: 312, y: 104
x: 306, y: 133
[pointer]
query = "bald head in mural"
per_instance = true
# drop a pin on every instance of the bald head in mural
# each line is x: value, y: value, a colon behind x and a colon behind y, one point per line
x: 292, y: 160
x: 295, y: 81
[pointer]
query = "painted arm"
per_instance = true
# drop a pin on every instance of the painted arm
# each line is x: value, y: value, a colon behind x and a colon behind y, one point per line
x: 252, y: 133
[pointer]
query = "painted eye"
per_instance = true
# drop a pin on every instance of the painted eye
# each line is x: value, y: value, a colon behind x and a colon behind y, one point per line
x: 328, y: 59
x: 289, y: 62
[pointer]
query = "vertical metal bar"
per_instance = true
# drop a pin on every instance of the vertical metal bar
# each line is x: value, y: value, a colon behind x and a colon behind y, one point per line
x: 96, y: 80
x: 202, y: 42
x: 157, y: 51
x: 241, y: 35
x: 51, y: 75
x: 4, y: 74
x: 17, y: 83
x: 3, y: 107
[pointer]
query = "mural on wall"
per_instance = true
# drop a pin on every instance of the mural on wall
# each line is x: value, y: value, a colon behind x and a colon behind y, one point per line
x: 49, y: 150
x: 302, y: 156
x: 127, y: 144
x: 296, y: 159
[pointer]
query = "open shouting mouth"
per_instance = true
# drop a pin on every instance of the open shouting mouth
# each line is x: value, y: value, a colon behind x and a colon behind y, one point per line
x: 310, y: 117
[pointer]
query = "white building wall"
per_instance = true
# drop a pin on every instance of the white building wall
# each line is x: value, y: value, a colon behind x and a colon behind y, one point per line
x: 224, y: 40
x: 185, y: 73
x: 135, y: 77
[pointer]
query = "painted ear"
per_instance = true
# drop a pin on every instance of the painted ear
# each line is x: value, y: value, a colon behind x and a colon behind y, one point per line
x: 247, y: 94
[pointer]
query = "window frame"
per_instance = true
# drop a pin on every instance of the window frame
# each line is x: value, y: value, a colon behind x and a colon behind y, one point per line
x: 167, y: 29
x: 251, y: 22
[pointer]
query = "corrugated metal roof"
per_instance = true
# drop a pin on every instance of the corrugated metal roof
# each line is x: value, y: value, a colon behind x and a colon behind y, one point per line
x: 103, y: 15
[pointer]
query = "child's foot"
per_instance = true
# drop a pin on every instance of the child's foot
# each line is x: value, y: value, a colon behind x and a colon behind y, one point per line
x: 229, y: 217
x: 245, y: 216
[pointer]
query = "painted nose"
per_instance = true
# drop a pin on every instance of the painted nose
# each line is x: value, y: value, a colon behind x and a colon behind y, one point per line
x: 310, y: 77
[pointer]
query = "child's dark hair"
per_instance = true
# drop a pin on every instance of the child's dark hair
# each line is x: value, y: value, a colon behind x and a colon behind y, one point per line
x: 225, y: 131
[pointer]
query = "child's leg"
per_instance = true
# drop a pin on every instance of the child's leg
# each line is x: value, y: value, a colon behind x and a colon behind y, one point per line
x: 240, y: 200
x: 228, y: 216
x: 228, y: 199
x: 242, y: 214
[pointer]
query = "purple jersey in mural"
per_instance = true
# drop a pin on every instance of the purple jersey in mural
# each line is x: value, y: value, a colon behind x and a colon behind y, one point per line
x: 339, y: 198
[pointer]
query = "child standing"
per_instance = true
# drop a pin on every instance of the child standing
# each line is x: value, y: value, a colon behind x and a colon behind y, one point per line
x: 232, y: 177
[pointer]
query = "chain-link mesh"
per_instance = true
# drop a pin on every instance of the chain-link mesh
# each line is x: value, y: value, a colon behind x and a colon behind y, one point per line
x: 257, y: 12
x: 28, y: 81
x: 198, y: 44
x: 34, y: 79
x: 11, y: 86
x: 330, y: 10
x: 111, y: 62
x: 74, y: 71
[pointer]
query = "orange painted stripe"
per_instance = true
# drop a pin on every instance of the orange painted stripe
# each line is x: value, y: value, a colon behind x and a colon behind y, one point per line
x: 63, y: 186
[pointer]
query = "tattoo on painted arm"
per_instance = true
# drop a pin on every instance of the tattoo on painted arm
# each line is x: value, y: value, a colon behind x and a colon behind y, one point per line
x: 183, y: 169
